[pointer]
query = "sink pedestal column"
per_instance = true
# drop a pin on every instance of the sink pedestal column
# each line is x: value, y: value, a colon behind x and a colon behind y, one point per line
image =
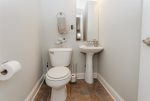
x: 89, y: 68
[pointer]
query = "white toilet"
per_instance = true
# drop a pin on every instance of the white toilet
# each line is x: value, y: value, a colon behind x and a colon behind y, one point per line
x: 59, y: 75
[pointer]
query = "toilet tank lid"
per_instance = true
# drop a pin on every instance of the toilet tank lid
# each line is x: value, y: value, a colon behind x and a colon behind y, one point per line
x: 60, y: 49
x: 58, y: 72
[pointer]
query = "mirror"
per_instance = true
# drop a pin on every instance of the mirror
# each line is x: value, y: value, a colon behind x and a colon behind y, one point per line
x: 87, y: 20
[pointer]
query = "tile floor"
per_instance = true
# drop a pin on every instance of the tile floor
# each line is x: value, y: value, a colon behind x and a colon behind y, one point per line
x: 81, y: 91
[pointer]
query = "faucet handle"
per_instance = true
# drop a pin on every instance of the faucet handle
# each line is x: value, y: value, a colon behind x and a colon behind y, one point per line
x: 94, y: 43
x: 88, y: 43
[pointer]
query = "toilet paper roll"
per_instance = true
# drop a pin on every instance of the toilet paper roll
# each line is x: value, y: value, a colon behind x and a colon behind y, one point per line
x: 8, y: 69
x: 73, y: 78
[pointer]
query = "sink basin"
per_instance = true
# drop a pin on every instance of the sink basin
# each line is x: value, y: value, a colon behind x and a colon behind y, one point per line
x: 86, y: 49
x: 90, y: 51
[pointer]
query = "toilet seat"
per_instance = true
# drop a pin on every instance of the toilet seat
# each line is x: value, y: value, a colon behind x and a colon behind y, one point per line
x: 58, y: 73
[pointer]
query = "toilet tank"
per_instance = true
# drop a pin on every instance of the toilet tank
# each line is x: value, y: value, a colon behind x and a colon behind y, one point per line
x: 60, y: 56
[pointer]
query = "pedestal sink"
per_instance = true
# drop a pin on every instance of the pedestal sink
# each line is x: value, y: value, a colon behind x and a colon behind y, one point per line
x: 90, y: 51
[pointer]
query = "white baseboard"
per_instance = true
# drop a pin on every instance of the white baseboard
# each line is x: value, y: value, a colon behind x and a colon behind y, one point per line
x: 109, y: 89
x: 81, y: 75
x: 35, y: 90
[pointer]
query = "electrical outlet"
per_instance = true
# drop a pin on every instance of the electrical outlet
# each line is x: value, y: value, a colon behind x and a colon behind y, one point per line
x: 47, y: 65
x: 72, y: 27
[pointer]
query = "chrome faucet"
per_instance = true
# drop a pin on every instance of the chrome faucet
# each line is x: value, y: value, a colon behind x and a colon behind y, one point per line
x: 90, y: 43
x: 93, y: 43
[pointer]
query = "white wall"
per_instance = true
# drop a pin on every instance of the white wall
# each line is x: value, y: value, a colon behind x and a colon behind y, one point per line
x: 144, y: 82
x: 19, y: 40
x: 120, y: 24
x: 49, y: 10
x: 81, y: 4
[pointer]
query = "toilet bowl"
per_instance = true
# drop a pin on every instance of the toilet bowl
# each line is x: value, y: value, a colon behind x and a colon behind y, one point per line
x: 57, y: 78
x: 59, y: 75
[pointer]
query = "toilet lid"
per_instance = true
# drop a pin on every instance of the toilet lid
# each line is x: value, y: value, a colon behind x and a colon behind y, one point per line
x: 58, y: 72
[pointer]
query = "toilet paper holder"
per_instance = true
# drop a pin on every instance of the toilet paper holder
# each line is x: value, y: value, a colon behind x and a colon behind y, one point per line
x: 3, y: 71
x: 147, y: 41
x: 8, y: 69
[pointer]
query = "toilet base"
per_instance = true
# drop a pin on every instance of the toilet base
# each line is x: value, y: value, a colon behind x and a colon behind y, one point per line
x: 59, y: 94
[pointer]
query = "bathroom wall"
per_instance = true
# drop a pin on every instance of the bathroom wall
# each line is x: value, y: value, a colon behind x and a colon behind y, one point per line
x: 19, y: 40
x: 81, y: 4
x: 120, y: 31
x: 144, y: 82
x: 49, y: 10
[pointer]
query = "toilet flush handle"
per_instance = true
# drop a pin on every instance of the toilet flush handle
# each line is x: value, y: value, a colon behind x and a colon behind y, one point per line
x: 51, y: 52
